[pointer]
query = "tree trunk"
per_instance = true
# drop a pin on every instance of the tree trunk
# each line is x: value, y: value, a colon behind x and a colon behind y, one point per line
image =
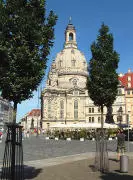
x: 102, y: 123
x: 102, y: 143
x: 14, y: 112
x: 13, y: 158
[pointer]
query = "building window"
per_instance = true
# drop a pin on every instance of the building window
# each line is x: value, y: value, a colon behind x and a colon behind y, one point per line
x: 75, y: 109
x: 60, y: 63
x: 128, y: 92
x: 92, y: 119
x: 129, y: 84
x: 49, y: 82
x: 89, y: 110
x: 70, y: 36
x: 73, y: 63
x: 118, y: 120
x: 61, y: 109
x: 129, y: 78
x: 99, y: 109
x: 99, y: 119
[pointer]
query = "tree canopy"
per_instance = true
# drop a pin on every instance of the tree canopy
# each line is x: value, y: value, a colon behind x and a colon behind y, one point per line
x: 103, y: 78
x: 26, y: 36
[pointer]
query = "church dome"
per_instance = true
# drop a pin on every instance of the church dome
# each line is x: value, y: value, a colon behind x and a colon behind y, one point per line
x: 71, y: 60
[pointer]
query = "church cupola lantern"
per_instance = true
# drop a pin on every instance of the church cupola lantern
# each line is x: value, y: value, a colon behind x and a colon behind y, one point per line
x: 70, y: 36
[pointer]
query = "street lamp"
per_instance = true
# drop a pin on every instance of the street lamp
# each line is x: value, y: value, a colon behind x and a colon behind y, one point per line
x: 128, y: 127
x: 120, y: 112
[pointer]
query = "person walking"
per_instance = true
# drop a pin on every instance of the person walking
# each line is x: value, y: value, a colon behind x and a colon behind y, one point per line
x: 120, y: 144
x: 1, y: 135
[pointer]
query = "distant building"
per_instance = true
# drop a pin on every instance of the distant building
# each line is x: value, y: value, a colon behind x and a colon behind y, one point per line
x: 65, y: 98
x: 31, y: 120
x: 6, y: 112
x: 127, y: 81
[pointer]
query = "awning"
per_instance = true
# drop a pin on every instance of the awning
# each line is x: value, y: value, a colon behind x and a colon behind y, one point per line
x: 84, y: 125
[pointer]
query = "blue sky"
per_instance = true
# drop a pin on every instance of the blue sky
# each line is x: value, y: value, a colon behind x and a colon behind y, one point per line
x: 87, y: 17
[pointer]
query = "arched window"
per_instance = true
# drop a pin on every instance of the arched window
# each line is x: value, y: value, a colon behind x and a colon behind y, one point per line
x: 70, y: 36
x: 89, y: 119
x: 49, y: 82
x: 75, y: 109
x: 61, y: 109
x: 99, y: 119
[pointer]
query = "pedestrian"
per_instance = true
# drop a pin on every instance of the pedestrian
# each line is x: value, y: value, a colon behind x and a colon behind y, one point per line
x: 43, y: 131
x: 120, y: 144
x: 1, y: 134
x: 28, y: 133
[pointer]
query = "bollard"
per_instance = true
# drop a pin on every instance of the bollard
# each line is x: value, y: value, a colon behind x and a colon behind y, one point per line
x: 123, y: 163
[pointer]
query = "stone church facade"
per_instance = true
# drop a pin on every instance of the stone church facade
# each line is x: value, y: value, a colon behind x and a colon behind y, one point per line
x: 65, y: 98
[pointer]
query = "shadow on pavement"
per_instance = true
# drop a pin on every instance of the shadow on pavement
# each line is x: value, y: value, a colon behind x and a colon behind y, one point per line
x: 31, y: 172
x: 113, y: 159
x: 115, y: 176
x: 93, y: 168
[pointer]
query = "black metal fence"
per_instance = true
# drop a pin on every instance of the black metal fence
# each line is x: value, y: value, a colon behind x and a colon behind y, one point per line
x: 13, y: 155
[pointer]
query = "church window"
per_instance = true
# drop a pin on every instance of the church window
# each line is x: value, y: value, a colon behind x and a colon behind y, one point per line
x: 49, y: 82
x: 92, y: 110
x: 60, y: 63
x: 89, y: 110
x: 70, y: 36
x: 75, y: 109
x: 99, y: 119
x: 73, y: 63
x: 61, y: 109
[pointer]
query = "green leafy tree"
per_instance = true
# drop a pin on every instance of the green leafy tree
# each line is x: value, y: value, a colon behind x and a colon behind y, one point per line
x: 26, y: 36
x: 103, y: 78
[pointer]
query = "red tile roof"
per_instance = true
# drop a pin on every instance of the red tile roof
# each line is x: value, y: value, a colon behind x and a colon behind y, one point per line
x: 34, y: 112
x: 124, y: 80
